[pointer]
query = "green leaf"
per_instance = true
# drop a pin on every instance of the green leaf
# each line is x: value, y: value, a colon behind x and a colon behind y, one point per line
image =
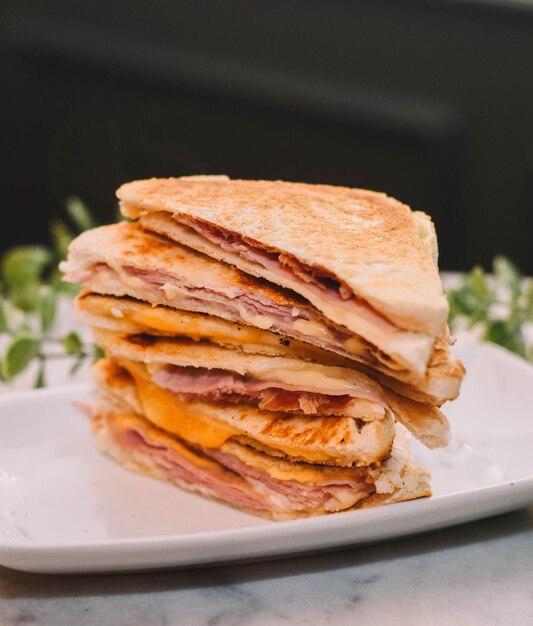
x: 80, y: 214
x: 77, y: 364
x: 476, y: 317
x: 499, y: 332
x: 25, y: 297
x: 528, y: 305
x: 40, y: 380
x: 72, y: 343
x: 19, y: 353
x: 61, y: 237
x: 3, y: 315
x: 472, y: 299
x: 16, y: 320
x: 496, y: 332
x: 47, y: 307
x: 22, y: 270
x: 98, y: 354
x: 24, y: 265
x: 477, y: 281
x: 506, y: 274
x: 460, y: 301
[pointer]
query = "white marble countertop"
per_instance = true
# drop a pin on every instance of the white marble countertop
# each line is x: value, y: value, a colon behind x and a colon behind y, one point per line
x: 478, y: 573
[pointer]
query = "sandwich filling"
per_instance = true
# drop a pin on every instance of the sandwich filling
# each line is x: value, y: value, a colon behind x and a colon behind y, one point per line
x: 154, y: 354
x: 226, y: 468
x: 221, y: 474
x: 335, y: 301
x: 248, y: 307
x: 217, y: 385
x: 215, y: 373
x: 125, y: 259
x: 288, y: 267
x: 124, y: 314
x: 137, y: 317
x: 341, y: 441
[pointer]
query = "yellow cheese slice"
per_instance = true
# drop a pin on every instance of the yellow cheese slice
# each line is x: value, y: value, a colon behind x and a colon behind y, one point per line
x: 195, y: 326
x: 166, y: 411
x: 124, y: 421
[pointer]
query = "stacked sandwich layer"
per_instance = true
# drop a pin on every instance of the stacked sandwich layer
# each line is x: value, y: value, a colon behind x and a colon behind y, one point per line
x: 265, y: 341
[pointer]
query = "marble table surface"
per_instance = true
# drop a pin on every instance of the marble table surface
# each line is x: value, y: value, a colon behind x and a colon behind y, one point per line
x: 477, y: 573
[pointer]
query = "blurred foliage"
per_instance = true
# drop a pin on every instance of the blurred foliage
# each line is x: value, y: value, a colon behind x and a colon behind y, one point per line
x: 498, y: 305
x: 30, y: 285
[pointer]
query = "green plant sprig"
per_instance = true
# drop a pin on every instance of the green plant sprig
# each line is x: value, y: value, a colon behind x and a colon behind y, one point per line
x: 30, y: 285
x: 497, y: 305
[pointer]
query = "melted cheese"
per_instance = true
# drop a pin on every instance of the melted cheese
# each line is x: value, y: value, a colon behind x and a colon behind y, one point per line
x: 196, y: 326
x: 298, y: 474
x: 124, y: 421
x: 312, y: 328
x: 156, y: 317
x: 313, y: 456
x: 277, y: 469
x: 165, y: 410
x: 304, y: 376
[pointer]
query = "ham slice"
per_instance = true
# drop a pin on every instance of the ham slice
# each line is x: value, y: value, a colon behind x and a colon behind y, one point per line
x: 234, y: 303
x: 300, y: 496
x: 185, y: 473
x: 285, y: 265
x: 308, y: 403
x: 241, y: 306
x: 227, y: 477
x: 215, y: 385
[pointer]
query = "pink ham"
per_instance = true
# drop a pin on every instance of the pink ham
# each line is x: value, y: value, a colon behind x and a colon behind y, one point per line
x: 241, y: 306
x: 186, y: 474
x: 288, y: 267
x: 237, y: 483
x: 234, y: 304
x: 214, y: 385
x: 300, y: 495
x: 308, y: 403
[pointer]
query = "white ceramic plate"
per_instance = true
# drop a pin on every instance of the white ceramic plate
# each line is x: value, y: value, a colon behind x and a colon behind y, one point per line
x: 66, y: 508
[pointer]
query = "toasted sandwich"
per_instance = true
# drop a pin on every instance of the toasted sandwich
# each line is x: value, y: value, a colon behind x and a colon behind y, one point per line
x: 357, y: 256
x: 206, y: 371
x: 229, y: 464
x: 124, y: 260
x: 266, y: 343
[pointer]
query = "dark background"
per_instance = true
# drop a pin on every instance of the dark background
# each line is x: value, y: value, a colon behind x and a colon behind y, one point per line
x: 430, y: 101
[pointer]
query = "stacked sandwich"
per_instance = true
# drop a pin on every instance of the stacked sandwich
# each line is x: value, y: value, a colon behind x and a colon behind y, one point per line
x: 266, y: 341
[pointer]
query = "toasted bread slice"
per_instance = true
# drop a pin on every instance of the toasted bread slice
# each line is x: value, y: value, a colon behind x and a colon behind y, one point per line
x: 368, y: 241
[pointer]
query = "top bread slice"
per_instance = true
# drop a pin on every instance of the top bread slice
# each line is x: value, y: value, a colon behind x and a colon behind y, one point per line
x: 370, y: 242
